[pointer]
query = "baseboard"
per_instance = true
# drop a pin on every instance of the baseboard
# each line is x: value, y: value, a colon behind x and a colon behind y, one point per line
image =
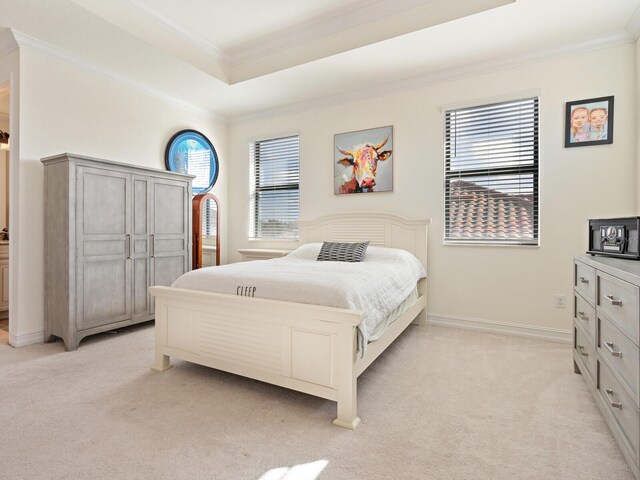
x: 23, y: 339
x: 541, y: 333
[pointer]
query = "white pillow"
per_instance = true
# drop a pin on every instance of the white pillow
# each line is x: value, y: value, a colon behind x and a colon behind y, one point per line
x: 308, y: 251
x: 386, y: 254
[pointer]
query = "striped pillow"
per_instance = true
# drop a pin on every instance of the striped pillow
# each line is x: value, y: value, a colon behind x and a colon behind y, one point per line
x: 342, y: 252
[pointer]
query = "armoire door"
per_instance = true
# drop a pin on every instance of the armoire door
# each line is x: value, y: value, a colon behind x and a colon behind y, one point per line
x: 170, y: 231
x: 103, y: 269
x: 140, y: 234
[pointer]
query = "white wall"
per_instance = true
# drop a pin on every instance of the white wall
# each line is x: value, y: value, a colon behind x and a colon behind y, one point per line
x: 512, y: 285
x: 66, y: 109
x: 637, y: 78
x: 10, y: 70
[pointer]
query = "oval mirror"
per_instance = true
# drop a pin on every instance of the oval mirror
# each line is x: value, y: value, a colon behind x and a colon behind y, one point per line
x: 191, y: 152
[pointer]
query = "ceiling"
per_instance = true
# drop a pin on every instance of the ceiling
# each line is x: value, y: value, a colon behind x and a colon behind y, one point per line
x: 240, y: 58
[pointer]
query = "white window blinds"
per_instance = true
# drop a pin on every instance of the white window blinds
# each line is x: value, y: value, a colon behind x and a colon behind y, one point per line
x: 275, y: 197
x: 491, y: 173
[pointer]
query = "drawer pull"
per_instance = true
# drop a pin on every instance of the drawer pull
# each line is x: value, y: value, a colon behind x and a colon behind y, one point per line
x: 583, y: 280
x: 582, y: 352
x: 613, y: 302
x: 583, y: 316
x: 613, y: 353
x: 613, y: 404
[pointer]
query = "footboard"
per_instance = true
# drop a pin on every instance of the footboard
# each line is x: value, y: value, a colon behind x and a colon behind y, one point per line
x: 308, y: 348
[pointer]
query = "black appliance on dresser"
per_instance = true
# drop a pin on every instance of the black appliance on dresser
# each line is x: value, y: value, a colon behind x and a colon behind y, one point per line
x: 615, y: 237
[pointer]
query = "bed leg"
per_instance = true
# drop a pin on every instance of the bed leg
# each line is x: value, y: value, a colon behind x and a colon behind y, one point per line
x: 347, y: 381
x: 421, y: 319
x: 162, y: 362
x: 347, y: 407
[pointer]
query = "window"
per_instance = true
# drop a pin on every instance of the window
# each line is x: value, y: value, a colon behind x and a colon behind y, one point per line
x: 275, y: 197
x: 491, y: 173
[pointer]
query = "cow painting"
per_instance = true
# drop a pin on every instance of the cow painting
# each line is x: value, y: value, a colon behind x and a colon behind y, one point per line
x: 357, y: 168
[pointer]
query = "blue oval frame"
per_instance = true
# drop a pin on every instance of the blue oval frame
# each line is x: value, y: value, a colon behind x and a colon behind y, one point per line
x: 177, y: 142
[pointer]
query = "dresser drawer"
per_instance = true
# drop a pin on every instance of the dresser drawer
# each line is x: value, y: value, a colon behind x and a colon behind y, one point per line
x: 585, y: 316
x: 585, y: 350
x: 619, y: 302
x: 620, y: 354
x: 584, y: 281
x: 621, y: 407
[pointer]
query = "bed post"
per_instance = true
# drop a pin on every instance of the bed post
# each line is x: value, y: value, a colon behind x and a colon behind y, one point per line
x: 421, y: 319
x: 347, y: 379
x: 162, y: 361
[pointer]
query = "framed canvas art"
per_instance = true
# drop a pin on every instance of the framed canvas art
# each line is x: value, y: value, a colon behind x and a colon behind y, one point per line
x: 589, y: 122
x: 363, y: 161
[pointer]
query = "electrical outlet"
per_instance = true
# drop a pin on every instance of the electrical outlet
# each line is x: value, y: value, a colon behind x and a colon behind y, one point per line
x: 560, y: 301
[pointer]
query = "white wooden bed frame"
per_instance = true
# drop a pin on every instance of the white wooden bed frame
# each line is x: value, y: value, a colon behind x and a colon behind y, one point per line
x: 308, y: 348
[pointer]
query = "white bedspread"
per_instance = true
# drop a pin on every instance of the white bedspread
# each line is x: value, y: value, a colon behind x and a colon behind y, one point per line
x: 376, y: 286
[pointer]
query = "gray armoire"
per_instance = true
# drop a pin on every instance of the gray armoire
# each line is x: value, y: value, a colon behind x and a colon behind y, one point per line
x: 111, y: 231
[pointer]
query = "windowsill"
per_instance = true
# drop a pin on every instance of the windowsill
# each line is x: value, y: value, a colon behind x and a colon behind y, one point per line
x: 274, y: 240
x: 482, y: 244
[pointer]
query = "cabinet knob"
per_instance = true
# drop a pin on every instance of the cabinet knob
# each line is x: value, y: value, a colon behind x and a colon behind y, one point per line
x: 611, y: 402
x: 583, y: 280
x: 613, y: 302
x: 613, y: 353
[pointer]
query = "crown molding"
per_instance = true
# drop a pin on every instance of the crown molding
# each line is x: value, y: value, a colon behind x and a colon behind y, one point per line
x: 18, y: 39
x: 362, y: 12
x: 633, y: 27
x: 112, y: 75
x: 7, y: 42
x: 188, y: 36
x: 457, y: 73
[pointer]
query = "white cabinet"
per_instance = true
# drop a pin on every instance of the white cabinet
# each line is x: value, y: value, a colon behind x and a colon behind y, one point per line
x: 112, y: 231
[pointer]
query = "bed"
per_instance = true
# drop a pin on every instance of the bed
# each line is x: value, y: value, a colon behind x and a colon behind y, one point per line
x: 304, y: 347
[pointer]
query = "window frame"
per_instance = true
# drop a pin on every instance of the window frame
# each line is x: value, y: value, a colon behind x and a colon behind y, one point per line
x: 493, y: 171
x: 255, y: 189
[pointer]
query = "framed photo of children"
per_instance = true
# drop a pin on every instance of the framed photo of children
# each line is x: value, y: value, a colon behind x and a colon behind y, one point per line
x: 589, y: 122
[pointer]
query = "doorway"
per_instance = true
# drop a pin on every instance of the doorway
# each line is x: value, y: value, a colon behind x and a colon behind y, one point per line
x: 5, y: 148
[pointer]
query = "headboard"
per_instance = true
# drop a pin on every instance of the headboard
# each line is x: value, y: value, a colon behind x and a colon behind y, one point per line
x: 380, y: 229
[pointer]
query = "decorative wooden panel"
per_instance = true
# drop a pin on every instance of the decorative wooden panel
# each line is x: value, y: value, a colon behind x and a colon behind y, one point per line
x: 240, y: 341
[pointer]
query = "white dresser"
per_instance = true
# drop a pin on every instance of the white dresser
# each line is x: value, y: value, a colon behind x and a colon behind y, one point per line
x: 606, y: 338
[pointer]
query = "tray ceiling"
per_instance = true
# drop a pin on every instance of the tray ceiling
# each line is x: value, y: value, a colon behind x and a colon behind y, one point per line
x: 238, y: 57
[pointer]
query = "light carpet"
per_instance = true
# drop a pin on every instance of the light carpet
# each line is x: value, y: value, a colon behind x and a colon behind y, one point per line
x: 440, y: 403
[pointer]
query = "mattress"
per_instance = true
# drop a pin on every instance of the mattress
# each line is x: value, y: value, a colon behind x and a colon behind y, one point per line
x: 380, y: 286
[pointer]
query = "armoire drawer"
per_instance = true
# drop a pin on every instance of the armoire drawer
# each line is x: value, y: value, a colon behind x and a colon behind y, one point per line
x: 619, y: 302
x: 620, y: 354
x: 585, y: 350
x: 584, y: 281
x: 585, y: 316
x: 621, y: 407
